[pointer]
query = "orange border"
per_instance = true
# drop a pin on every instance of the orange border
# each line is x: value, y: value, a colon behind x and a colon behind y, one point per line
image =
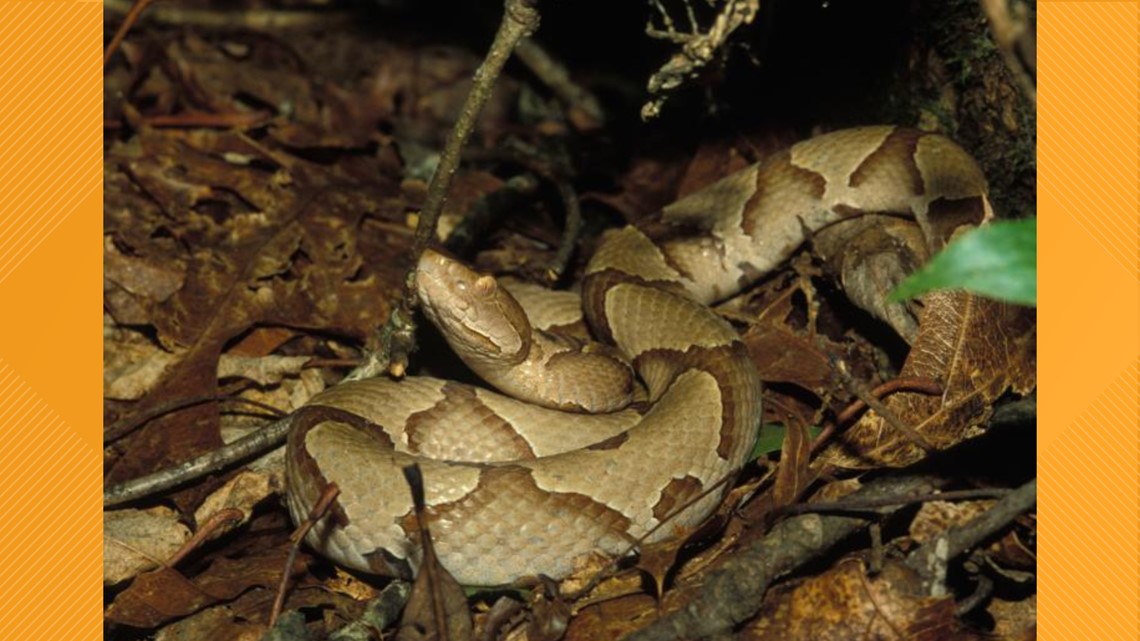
x: 50, y: 340
x: 50, y: 397
x: 1088, y: 449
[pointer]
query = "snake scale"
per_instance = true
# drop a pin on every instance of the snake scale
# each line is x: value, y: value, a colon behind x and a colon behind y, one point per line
x: 516, y: 489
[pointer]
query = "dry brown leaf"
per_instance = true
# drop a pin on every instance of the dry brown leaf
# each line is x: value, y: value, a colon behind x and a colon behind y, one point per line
x: 436, y: 598
x: 844, y: 603
x: 794, y: 473
x: 262, y: 341
x: 242, y: 493
x: 934, y: 518
x: 656, y: 559
x: 218, y: 622
x: 152, y: 278
x: 612, y: 619
x: 136, y: 541
x: 782, y: 355
x: 262, y: 247
x: 977, y: 349
x: 264, y: 370
x: 437, y: 607
x: 1014, y: 620
x: 161, y: 596
x: 132, y: 362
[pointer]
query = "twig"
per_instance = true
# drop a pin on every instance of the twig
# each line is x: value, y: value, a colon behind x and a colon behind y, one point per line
x: 488, y: 209
x: 860, y: 390
x: 982, y: 592
x: 126, y: 425
x: 520, y: 19
x: 902, y: 384
x: 245, y: 447
x: 912, y: 384
x: 557, y: 77
x: 132, y: 16
x: 219, y: 518
x: 931, y: 559
x: 551, y: 162
x: 862, y: 505
x: 570, y: 233
x: 253, y: 444
x: 320, y: 508
x: 733, y: 592
x: 697, y: 48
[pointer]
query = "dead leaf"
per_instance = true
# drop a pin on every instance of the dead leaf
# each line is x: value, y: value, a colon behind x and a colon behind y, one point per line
x: 147, y: 277
x: 219, y: 622
x: 132, y: 362
x: 264, y: 370
x: 844, y: 603
x: 267, y: 246
x: 262, y: 341
x: 657, y: 559
x: 242, y: 493
x: 794, y: 473
x: 161, y: 596
x: 934, y: 518
x: 437, y: 607
x: 136, y: 541
x: 613, y: 619
x: 977, y: 349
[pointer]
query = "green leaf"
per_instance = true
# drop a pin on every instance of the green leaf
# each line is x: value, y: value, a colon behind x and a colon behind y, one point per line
x: 771, y: 439
x: 998, y: 260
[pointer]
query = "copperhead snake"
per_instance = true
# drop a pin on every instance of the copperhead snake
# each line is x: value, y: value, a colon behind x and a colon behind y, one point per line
x: 525, y: 490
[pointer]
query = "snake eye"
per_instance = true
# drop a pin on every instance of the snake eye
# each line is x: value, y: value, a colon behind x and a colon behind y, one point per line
x: 485, y: 286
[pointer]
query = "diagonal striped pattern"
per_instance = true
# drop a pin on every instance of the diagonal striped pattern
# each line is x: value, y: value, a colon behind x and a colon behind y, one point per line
x: 51, y: 530
x: 50, y: 160
x: 1091, y: 506
x: 1082, y: 142
x: 1088, y: 445
x: 41, y: 77
x: 1087, y: 178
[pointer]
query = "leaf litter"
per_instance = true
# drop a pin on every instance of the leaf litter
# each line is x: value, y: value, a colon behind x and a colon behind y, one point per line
x: 248, y: 252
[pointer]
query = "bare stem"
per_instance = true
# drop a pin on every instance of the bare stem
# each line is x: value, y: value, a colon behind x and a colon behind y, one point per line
x: 520, y: 19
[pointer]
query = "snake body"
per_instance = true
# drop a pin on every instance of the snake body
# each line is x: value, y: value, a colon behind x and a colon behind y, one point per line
x: 525, y: 490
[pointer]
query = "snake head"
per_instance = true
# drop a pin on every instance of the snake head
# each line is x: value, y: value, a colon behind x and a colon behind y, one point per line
x: 480, y: 320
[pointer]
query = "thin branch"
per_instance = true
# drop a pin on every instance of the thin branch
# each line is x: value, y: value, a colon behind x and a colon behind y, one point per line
x: 901, y: 384
x: 930, y: 559
x: 318, y: 512
x: 732, y: 593
x: 515, y: 191
x: 862, y: 505
x: 892, y: 419
x: 132, y: 17
x: 555, y: 75
x: 570, y: 232
x: 245, y: 447
x: 126, y: 425
x: 520, y: 19
x: 206, y: 530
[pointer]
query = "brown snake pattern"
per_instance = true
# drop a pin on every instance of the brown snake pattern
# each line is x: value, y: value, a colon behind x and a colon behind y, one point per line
x: 526, y: 490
